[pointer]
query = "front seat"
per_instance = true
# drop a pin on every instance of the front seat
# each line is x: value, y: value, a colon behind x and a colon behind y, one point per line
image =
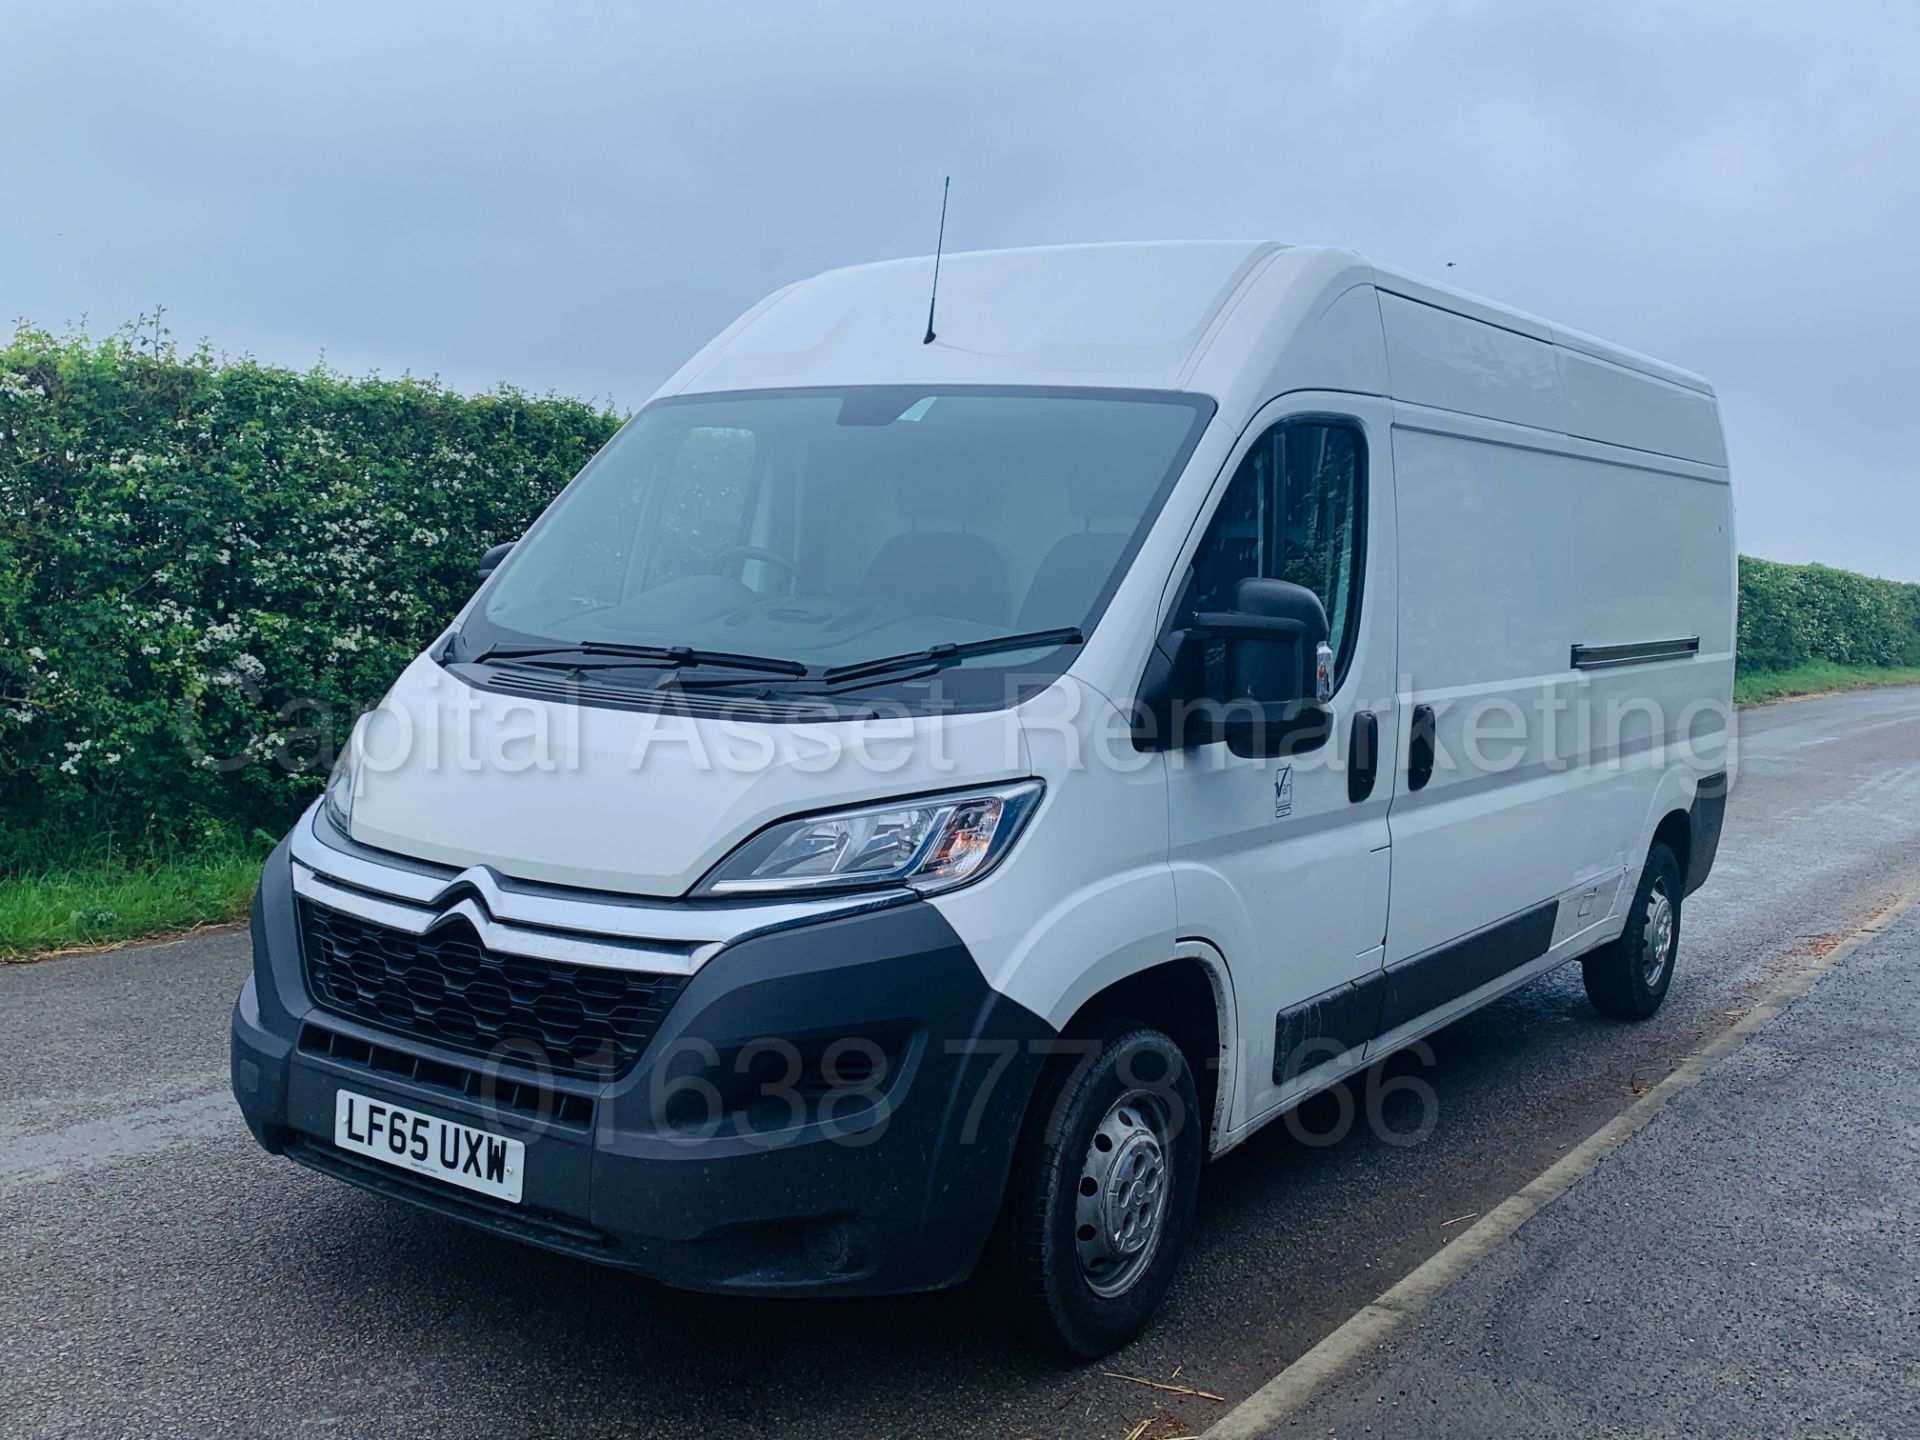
x: 1079, y: 565
x: 950, y: 572
x: 1067, y: 581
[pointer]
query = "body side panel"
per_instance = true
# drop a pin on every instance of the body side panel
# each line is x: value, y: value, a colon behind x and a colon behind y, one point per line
x: 1515, y: 547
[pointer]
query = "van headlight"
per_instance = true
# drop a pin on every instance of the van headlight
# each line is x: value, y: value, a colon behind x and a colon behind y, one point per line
x: 928, y: 844
x: 343, y: 783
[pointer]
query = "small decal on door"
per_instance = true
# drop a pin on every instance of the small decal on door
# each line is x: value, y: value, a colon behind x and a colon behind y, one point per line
x: 1283, y: 792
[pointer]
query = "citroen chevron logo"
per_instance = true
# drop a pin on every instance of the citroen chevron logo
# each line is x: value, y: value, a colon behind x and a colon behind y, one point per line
x: 473, y: 893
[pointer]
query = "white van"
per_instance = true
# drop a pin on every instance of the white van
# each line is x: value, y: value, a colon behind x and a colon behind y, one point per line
x: 926, y: 787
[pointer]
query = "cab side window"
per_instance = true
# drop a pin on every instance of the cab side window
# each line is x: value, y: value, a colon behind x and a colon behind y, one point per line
x: 1294, y: 510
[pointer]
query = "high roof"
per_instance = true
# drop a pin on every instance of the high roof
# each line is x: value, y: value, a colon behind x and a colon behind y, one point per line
x: 1478, y: 307
x: 1122, y: 314
x: 1163, y: 315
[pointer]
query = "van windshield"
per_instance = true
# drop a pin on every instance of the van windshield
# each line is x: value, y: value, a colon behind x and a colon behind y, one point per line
x: 829, y: 528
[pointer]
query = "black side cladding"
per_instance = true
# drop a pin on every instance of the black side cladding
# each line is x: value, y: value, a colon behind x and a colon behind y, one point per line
x: 1326, y: 1027
x: 1426, y: 982
x: 1338, y: 1020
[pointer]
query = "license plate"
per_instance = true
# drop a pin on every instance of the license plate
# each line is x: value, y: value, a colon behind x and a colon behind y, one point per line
x: 427, y: 1145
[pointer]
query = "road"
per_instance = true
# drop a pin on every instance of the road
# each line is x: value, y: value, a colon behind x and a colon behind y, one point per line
x: 161, y: 1276
x: 1748, y: 1263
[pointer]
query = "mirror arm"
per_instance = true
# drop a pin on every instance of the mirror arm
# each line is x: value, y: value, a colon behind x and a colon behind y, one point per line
x: 1170, y: 684
x: 1231, y: 625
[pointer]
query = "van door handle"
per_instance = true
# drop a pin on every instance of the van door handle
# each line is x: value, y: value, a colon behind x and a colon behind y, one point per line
x: 1420, y: 748
x: 1363, y: 755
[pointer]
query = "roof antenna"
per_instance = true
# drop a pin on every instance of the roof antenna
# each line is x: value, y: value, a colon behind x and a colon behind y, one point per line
x: 938, y: 246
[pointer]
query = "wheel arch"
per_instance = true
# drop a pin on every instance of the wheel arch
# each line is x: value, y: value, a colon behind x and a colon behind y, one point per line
x: 1668, y: 817
x: 1675, y: 830
x: 1189, y: 995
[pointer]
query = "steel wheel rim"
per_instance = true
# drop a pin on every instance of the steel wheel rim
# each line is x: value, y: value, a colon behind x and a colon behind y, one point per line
x: 1120, y: 1201
x: 1657, y: 947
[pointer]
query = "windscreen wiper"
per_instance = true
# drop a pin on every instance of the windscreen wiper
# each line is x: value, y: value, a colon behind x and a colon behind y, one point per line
x: 609, y: 654
x: 938, y: 657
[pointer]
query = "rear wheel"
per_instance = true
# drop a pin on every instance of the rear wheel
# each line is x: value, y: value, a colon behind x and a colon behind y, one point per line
x: 1104, y: 1189
x: 1628, y: 979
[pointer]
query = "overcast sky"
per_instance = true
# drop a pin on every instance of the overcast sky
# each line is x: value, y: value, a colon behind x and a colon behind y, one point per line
x: 577, y: 196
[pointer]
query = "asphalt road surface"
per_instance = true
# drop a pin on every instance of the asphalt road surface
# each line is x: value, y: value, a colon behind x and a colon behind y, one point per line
x: 161, y: 1276
x: 1747, y: 1264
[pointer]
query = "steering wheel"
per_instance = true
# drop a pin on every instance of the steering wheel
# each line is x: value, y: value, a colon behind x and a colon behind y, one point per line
x: 733, y: 553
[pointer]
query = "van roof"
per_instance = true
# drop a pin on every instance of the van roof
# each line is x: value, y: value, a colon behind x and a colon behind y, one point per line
x: 1121, y: 314
x: 1133, y: 314
x: 1506, y: 317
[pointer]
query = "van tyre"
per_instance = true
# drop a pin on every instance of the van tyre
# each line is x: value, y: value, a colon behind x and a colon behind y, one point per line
x: 1628, y: 979
x: 1104, y: 1188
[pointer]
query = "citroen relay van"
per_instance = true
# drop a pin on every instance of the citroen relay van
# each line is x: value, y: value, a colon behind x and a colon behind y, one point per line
x: 925, y: 789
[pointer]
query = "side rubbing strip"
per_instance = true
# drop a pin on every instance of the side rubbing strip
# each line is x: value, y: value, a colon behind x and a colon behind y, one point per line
x: 1347, y: 1016
x: 1601, y: 657
x: 1426, y: 982
x: 1326, y: 1027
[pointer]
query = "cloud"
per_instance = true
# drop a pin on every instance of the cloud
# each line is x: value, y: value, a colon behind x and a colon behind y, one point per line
x: 577, y: 197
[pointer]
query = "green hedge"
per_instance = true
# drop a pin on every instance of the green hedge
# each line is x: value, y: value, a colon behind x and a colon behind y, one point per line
x: 1792, y: 614
x: 208, y: 567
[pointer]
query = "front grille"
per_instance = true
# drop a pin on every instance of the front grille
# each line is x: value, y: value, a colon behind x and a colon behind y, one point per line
x: 527, y: 1099
x: 445, y: 987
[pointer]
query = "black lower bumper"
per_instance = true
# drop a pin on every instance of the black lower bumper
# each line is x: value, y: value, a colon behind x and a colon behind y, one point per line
x: 1705, y: 819
x: 830, y: 1108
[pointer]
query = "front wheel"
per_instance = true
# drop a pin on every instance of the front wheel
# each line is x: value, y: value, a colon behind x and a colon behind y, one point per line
x: 1628, y: 979
x: 1104, y: 1188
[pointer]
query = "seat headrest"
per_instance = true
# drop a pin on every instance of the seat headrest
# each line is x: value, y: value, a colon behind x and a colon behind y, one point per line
x: 940, y: 484
x: 1106, y: 483
x: 1100, y: 492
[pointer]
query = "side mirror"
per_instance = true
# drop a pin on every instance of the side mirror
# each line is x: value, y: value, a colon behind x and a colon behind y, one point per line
x: 1279, y: 672
x: 490, y: 561
x: 1274, y: 635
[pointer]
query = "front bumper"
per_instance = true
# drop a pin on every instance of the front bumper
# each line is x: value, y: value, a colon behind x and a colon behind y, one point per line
x: 726, y: 1159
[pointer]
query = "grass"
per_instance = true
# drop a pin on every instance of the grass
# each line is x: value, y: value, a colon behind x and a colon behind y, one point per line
x: 106, y: 901
x: 1816, y: 677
